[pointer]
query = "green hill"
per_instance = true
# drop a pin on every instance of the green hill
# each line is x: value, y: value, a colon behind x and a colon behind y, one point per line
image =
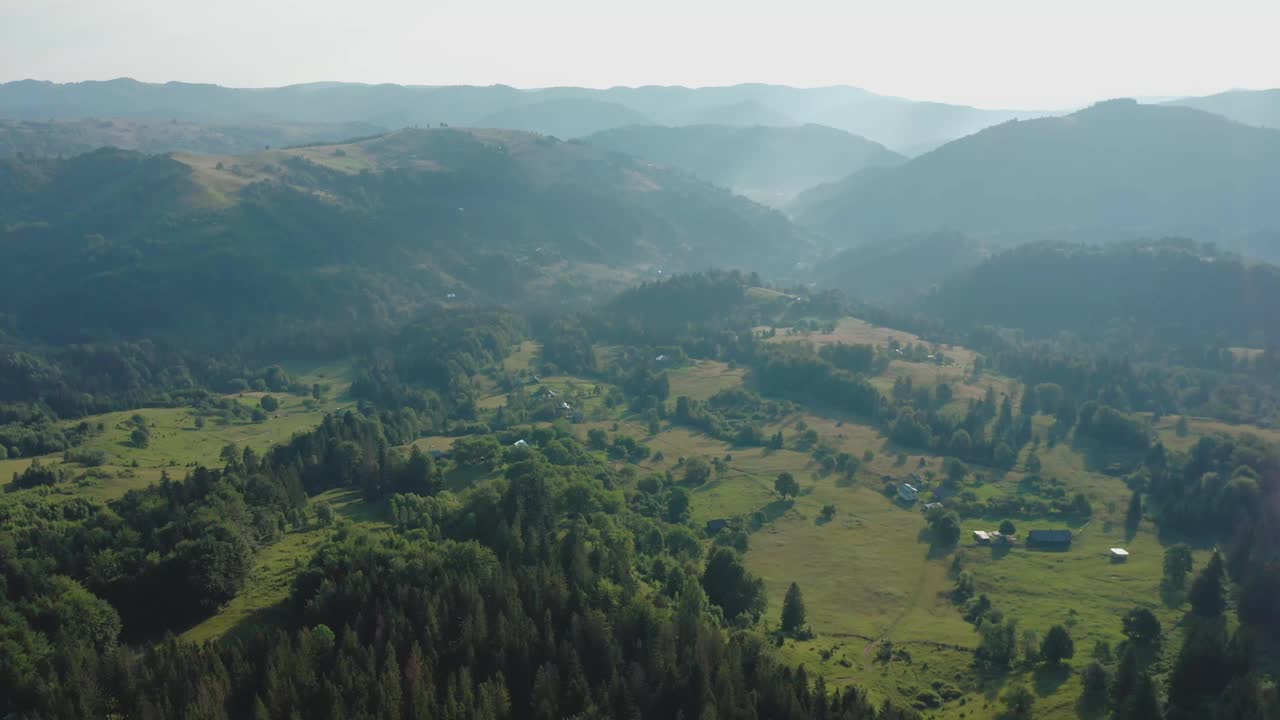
x: 767, y: 164
x: 315, y: 241
x: 1117, y: 170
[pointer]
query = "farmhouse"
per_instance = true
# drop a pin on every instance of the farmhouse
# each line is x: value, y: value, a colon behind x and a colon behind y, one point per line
x: 932, y: 505
x: 1050, y: 539
x: 982, y: 537
x: 908, y: 492
x: 1119, y: 555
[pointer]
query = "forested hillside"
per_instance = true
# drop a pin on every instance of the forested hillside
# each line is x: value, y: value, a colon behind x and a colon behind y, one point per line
x: 319, y: 240
x: 900, y: 268
x: 1115, y: 171
x: 768, y: 164
x: 1137, y: 295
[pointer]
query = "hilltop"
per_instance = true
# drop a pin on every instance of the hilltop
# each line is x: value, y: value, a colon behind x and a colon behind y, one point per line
x: 768, y: 164
x: 310, y: 240
x: 1117, y: 170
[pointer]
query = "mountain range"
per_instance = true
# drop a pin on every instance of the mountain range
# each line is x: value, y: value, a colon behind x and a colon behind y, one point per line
x: 1116, y: 170
x: 903, y: 125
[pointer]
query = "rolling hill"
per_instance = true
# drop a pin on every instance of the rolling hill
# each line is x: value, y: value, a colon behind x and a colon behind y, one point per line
x: 767, y: 164
x: 1117, y: 170
x: 351, y: 235
x: 1251, y: 107
x: 76, y: 136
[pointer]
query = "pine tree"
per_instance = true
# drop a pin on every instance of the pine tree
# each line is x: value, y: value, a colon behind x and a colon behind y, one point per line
x: 793, y: 612
x: 1094, y: 680
x: 1133, y: 517
x: 1206, y: 593
x: 1126, y: 677
x: 1057, y: 645
x: 1145, y: 704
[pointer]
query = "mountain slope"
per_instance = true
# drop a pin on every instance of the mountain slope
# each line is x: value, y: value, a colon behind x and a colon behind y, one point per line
x: 360, y: 233
x: 768, y: 164
x: 1251, y: 107
x: 900, y: 269
x: 1115, y: 170
x: 73, y: 137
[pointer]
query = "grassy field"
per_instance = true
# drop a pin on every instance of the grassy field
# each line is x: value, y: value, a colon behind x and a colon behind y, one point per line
x: 275, y: 567
x: 704, y: 378
x: 176, y: 443
x: 868, y: 574
x: 853, y: 331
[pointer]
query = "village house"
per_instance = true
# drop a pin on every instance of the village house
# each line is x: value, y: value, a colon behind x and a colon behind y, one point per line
x: 1049, y: 539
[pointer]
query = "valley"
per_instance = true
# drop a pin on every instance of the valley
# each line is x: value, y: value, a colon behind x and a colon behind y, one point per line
x: 392, y: 402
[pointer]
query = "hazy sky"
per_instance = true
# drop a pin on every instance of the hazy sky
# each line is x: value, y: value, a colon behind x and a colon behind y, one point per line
x: 1010, y: 53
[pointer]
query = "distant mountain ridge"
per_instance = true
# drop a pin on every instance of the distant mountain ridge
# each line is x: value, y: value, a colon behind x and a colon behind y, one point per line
x: 1116, y: 170
x: 902, y: 125
x: 767, y: 164
x: 52, y: 138
x: 1251, y: 107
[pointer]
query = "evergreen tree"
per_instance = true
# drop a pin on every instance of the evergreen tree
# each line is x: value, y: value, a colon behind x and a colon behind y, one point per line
x: 1057, y: 645
x: 1094, y: 680
x: 793, y: 613
x: 1145, y: 705
x: 1126, y: 677
x: 1133, y: 516
x: 1177, y: 563
x: 1207, y: 594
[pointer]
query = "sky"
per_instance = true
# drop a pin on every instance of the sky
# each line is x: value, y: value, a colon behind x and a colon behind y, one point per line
x: 990, y: 53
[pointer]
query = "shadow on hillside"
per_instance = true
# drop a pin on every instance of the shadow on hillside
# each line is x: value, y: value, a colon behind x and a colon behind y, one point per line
x: 1048, y: 679
x: 775, y: 510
